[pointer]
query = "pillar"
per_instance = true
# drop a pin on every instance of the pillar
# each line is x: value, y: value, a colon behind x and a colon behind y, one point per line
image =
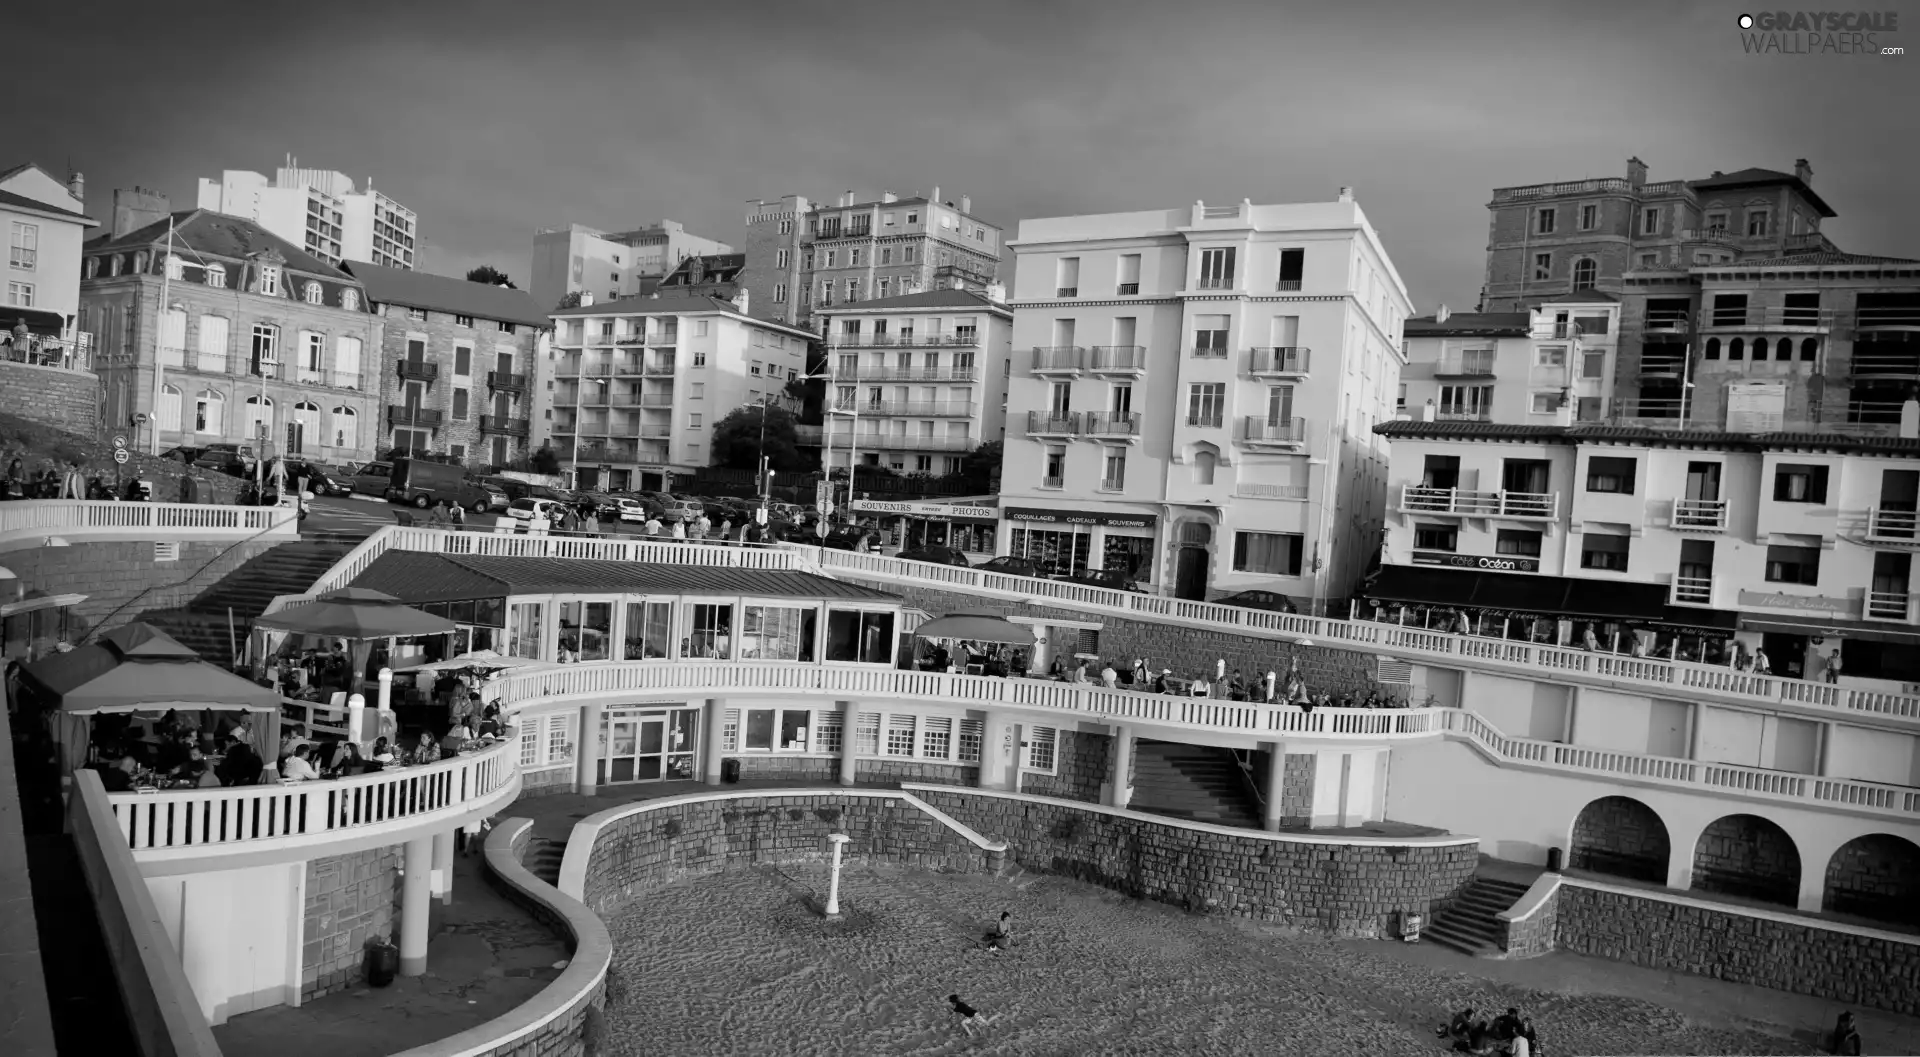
x: 716, y: 717
x: 587, y: 755
x: 849, y: 719
x: 415, y: 894
x: 442, y: 883
x: 996, y: 750
x: 1276, y: 784
x: 1119, y: 768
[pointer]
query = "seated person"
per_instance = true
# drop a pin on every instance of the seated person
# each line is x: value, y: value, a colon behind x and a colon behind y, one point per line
x: 1000, y: 937
x: 242, y: 766
x: 299, y: 767
x: 382, y: 755
x: 455, y: 740
x: 173, y: 752
x: 1846, y: 1038
x: 426, y: 750
x: 490, y: 721
x: 118, y: 776
x: 1458, y: 1027
x: 346, y: 759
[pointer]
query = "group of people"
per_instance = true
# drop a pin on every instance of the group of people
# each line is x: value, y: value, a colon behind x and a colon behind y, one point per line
x: 1509, y: 1033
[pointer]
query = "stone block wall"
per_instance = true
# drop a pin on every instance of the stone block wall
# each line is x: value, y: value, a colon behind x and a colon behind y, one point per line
x: 121, y: 579
x: 664, y: 844
x: 1746, y: 855
x: 565, y: 1034
x: 1328, y: 887
x: 1722, y: 942
x: 1082, y: 764
x: 65, y: 399
x: 1875, y: 876
x: 1537, y: 934
x: 546, y: 782
x: 1296, y: 789
x: 1621, y: 836
x: 350, y: 899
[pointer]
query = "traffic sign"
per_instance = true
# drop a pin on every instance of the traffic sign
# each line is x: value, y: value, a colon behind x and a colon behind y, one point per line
x: 820, y: 528
x: 119, y: 441
x: 140, y: 418
x: 823, y: 494
x: 120, y: 456
x: 760, y: 515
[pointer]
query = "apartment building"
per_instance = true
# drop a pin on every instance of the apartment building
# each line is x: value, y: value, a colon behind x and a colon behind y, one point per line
x: 455, y: 364
x: 639, y: 383
x: 320, y: 211
x: 918, y: 381
x: 610, y: 265
x: 1550, y: 366
x: 229, y: 333
x: 46, y: 223
x: 802, y: 256
x: 1194, y: 396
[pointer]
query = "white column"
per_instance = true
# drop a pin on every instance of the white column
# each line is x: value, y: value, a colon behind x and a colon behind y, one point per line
x: 1119, y: 768
x: 715, y: 717
x: 997, y: 750
x: 587, y: 751
x: 442, y: 881
x: 849, y: 765
x: 1276, y: 784
x: 415, y: 896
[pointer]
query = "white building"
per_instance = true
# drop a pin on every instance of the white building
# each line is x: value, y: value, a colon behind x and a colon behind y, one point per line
x: 1194, y: 399
x: 319, y: 210
x: 610, y: 265
x: 46, y: 224
x: 639, y: 383
x: 1552, y: 365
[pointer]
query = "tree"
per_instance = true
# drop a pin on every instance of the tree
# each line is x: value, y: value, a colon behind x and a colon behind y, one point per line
x: 546, y: 461
x: 491, y: 276
x: 981, y: 467
x: 737, y: 442
x: 572, y: 300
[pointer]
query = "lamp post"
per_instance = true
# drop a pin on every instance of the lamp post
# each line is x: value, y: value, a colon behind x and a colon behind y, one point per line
x: 160, y: 340
x: 833, y: 886
x: 853, y: 435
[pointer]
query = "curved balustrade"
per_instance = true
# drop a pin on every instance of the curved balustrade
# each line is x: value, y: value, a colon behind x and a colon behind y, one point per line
x: 192, y: 823
x: 78, y: 519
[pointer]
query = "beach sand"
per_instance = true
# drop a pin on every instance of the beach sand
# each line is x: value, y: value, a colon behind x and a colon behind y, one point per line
x: 742, y: 963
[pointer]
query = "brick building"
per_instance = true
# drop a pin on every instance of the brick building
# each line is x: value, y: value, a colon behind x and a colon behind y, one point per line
x: 455, y: 364
x: 254, y: 340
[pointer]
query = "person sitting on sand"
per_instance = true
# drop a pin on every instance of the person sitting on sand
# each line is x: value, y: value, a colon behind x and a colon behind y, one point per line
x: 1506, y: 1025
x: 970, y: 1018
x: 1000, y: 937
x: 1458, y: 1027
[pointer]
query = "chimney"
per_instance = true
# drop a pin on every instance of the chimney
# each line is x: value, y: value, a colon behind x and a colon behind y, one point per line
x: 135, y: 209
x: 956, y: 283
x: 1801, y: 170
x: 1429, y: 412
x: 1716, y: 175
x: 1636, y: 173
x: 77, y: 186
x: 586, y: 299
x: 997, y: 293
x: 889, y: 196
x: 849, y: 199
x: 966, y: 204
x: 1346, y: 194
x: 935, y: 196
x: 740, y: 301
x: 1440, y: 314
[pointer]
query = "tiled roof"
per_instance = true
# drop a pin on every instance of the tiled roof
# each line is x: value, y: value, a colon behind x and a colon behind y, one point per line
x: 1512, y: 324
x: 218, y: 235
x: 1762, y: 178
x: 929, y: 299
x: 419, y: 578
x: 10, y: 200
x: 666, y: 302
x: 1810, y: 260
x: 1581, y: 297
x: 1595, y: 433
x: 443, y: 293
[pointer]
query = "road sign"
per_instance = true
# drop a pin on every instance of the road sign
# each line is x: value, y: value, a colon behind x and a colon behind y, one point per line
x: 823, y: 494
x: 120, y: 456
x: 119, y: 441
x: 760, y: 515
x: 820, y: 528
x: 140, y: 418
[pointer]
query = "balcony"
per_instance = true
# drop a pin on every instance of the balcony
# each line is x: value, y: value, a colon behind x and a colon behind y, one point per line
x: 1519, y: 506
x: 1278, y: 361
x: 607, y: 453
x: 1058, y: 359
x: 902, y: 442
x: 1692, y: 591
x: 1113, y: 424
x: 1462, y: 413
x: 567, y: 369
x: 1889, y: 605
x: 1555, y: 332
x: 1888, y: 318
x: 599, y: 370
x: 505, y: 424
x: 1052, y: 424
x: 563, y: 339
x: 907, y: 374
x: 630, y: 339
x: 1262, y: 431
x: 656, y: 432
x: 1667, y: 321
x: 1716, y: 236
x: 936, y: 409
x: 1768, y: 318
x: 630, y: 399
x: 670, y: 336
x: 1558, y: 190
x: 1127, y: 290
x: 1120, y: 359
x: 1464, y: 367
x: 1269, y: 491
x: 628, y: 368
x: 1663, y: 361
x: 656, y: 400
x: 1066, y: 291
x: 593, y: 396
x: 659, y: 368
x: 1208, y: 352
x: 418, y: 370
x: 1286, y: 285
x: 416, y: 417
x: 1700, y: 515
x: 505, y: 382
x: 1893, y: 525
x: 1892, y: 360
x: 1874, y: 412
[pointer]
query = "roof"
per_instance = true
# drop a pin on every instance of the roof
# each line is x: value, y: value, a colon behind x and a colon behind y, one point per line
x: 444, y: 293
x: 669, y: 302
x: 218, y: 235
x: 1824, y: 259
x: 417, y: 578
x: 1581, y: 297
x: 930, y: 299
x: 1501, y: 324
x: 1611, y: 434
x: 1763, y: 178
x: 9, y: 200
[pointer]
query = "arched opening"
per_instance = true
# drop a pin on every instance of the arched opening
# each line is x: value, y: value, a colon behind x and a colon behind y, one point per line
x: 1203, y: 465
x: 1713, y: 348
x: 1621, y: 837
x: 1737, y: 349
x: 1809, y: 349
x: 1759, y: 348
x: 1749, y: 857
x: 1191, y: 560
x: 1875, y: 877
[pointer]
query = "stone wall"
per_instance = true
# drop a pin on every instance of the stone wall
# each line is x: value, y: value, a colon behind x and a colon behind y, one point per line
x: 55, y: 396
x: 1876, y: 876
x: 442, y: 332
x: 121, y: 579
x: 1296, y: 789
x: 1747, y: 856
x: 1725, y: 943
x: 1082, y: 764
x: 1537, y: 934
x: 1329, y: 887
x: 677, y: 840
x: 350, y: 899
x: 546, y: 782
x: 1620, y: 836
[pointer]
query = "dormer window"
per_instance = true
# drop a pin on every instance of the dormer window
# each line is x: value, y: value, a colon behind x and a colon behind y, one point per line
x: 312, y: 292
x: 350, y: 300
x: 217, y: 276
x: 270, y: 282
x: 175, y: 269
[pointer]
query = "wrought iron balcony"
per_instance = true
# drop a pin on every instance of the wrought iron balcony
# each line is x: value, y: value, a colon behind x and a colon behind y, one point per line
x: 1113, y: 424
x: 1700, y: 515
x: 1119, y: 359
x: 416, y: 417
x: 1279, y: 360
x: 1052, y: 424
x: 1524, y: 506
x: 1897, y: 317
x: 512, y: 427
x: 506, y: 382
x: 418, y: 370
x: 1059, y: 359
x: 1127, y: 290
x: 1208, y: 352
x: 1261, y: 430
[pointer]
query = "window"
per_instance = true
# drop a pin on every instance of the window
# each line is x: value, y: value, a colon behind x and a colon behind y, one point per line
x: 1593, y: 365
x: 1793, y: 565
x: 781, y: 258
x: 1210, y: 335
x: 1550, y: 356
x: 1517, y: 542
x: 264, y: 361
x: 1113, y: 476
x: 313, y: 358
x: 1206, y: 404
x: 1794, y: 483
x: 350, y: 300
x: 1471, y: 401
x: 780, y: 293
x: 1608, y: 474
x: 786, y: 227
x: 23, y: 245
x: 530, y: 742
x: 860, y: 636
x: 310, y: 293
x: 906, y: 253
x: 1542, y: 266
x: 1041, y: 750
x: 853, y: 258
x: 1650, y: 260
x: 693, y: 421
x: 463, y: 360
x: 1801, y: 310
x: 833, y: 258
x: 1729, y: 310
x: 20, y: 295
x: 259, y: 418
x: 1649, y: 222
x: 1544, y: 221
x: 1758, y: 220
x: 1717, y: 221
x: 1268, y: 553
x: 559, y: 739
x: 1436, y: 537
x: 212, y: 353
x: 1589, y: 217
x: 176, y: 268
x: 1293, y: 268
x: 1546, y: 403
x: 1400, y: 402
x: 418, y: 314
x: 1056, y: 467
x: 460, y: 405
x: 913, y: 217
x: 700, y: 327
x: 1604, y: 551
x: 1584, y: 272
x: 1216, y: 269
x: 270, y: 282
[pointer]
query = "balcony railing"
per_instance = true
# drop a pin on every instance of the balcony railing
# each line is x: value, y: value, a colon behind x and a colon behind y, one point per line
x: 1556, y: 190
x: 1895, y: 317
x: 906, y: 339
x: 1463, y: 413
x: 659, y: 368
x: 1127, y: 290
x: 623, y: 399
x: 1703, y: 515
x: 1692, y: 591
x: 936, y: 409
x: 656, y: 400
x: 1525, y: 506
x: 1888, y: 605
x: 1286, y: 285
x: 1119, y: 359
x: 1052, y: 424
x: 1874, y: 412
x: 649, y: 431
x: 1767, y: 317
x: 420, y: 417
x: 902, y: 442
x: 1206, y: 419
x: 1462, y: 367
x: 1663, y: 361
x: 418, y: 370
x: 1066, y: 291
x: 76, y: 519
x: 506, y: 382
x: 1718, y: 236
x: 610, y: 453
x: 1893, y: 524
x: 1886, y: 359
x: 1280, y: 359
x: 1260, y: 429
x: 569, y: 368
x: 330, y: 379
x: 1113, y: 424
x: 627, y: 368
x: 1057, y: 359
x: 1113, y: 484
x: 1269, y: 491
x: 1053, y: 482
x: 1555, y: 332
x: 505, y: 424
x: 1667, y: 321
x: 907, y: 374
x: 1208, y: 352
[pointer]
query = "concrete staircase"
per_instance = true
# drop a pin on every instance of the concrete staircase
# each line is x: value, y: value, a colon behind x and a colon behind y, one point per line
x: 543, y: 859
x: 288, y: 569
x: 1198, y: 782
x: 1471, y: 925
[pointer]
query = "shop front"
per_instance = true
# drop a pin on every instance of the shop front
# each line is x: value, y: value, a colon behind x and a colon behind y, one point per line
x: 1066, y: 542
x: 653, y: 742
x: 967, y: 528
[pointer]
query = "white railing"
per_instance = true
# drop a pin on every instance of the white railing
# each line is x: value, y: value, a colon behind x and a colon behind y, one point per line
x: 79, y: 518
x: 1707, y: 515
x: 1530, y: 506
x: 1218, y: 715
x: 298, y: 818
x: 1692, y: 591
x: 1899, y: 525
x: 1892, y: 801
x: 1888, y: 605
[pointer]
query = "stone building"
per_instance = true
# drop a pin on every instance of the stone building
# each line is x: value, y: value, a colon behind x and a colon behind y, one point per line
x: 455, y: 364
x: 229, y: 333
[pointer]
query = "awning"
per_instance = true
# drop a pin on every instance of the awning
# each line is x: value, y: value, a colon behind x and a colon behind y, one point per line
x: 1872, y: 631
x: 38, y: 320
x: 1520, y: 592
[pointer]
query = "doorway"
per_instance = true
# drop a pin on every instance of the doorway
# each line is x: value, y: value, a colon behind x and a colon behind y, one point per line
x: 1786, y: 654
x: 1190, y: 565
x: 636, y: 750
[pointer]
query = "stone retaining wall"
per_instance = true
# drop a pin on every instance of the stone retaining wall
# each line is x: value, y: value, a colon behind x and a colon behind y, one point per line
x: 1534, y: 934
x: 1082, y: 763
x: 350, y: 899
x: 547, y: 781
x: 122, y: 580
x: 65, y: 399
x: 1332, y: 887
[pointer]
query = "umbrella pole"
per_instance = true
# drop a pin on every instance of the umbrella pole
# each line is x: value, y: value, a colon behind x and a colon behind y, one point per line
x: 233, y: 641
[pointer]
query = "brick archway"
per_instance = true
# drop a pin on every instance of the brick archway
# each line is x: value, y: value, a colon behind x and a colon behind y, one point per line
x: 1876, y: 876
x: 1622, y: 837
x: 1749, y: 857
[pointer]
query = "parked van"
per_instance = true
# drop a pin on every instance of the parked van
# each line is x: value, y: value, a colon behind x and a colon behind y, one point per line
x: 422, y: 484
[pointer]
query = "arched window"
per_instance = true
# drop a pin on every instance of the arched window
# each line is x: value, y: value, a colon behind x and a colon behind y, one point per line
x: 350, y: 300
x: 217, y: 276
x: 209, y: 413
x: 345, y: 427
x: 259, y: 418
x: 93, y: 267
x: 1809, y: 349
x: 1713, y: 348
x: 169, y: 411
x: 1759, y: 348
x: 176, y: 269
x: 1203, y: 464
x: 1737, y: 349
x: 1584, y: 273
x: 312, y: 292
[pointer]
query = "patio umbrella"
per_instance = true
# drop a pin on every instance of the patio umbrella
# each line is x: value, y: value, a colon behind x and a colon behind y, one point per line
x: 479, y: 661
x: 977, y: 627
x: 356, y: 613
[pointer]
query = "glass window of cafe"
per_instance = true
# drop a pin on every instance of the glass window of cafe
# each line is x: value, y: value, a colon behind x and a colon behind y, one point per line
x: 860, y: 636
x: 586, y: 629
x: 709, y: 627
x: 649, y: 631
x: 35, y: 633
x: 973, y: 537
x: 1058, y: 551
x: 478, y: 624
x: 524, y: 625
x: 777, y: 633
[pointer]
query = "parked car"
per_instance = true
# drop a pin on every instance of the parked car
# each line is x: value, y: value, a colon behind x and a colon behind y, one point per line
x: 320, y: 480
x: 937, y: 556
x: 1111, y: 579
x: 528, y: 509
x: 1009, y: 565
x: 373, y: 479
x: 234, y: 459
x: 787, y: 511
x: 674, y: 508
x: 631, y: 510
x: 421, y: 484
x: 186, y: 455
x: 699, y: 505
x: 1272, y: 601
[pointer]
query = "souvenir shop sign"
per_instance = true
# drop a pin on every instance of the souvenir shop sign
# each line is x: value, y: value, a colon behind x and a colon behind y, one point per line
x: 1475, y: 561
x: 1031, y: 516
x: 869, y: 506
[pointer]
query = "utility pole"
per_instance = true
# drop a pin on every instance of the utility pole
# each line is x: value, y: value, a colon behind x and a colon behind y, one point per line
x: 160, y: 331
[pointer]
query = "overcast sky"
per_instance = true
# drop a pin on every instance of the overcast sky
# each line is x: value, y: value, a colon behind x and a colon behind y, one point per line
x: 495, y: 119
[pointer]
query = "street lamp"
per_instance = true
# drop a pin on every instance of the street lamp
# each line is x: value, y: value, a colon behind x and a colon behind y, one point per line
x: 853, y: 436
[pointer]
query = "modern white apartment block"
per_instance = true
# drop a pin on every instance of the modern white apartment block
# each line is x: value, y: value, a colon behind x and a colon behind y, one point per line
x: 610, y: 265
x: 917, y: 381
x: 1194, y: 395
x: 1676, y: 543
x: 1551, y: 365
x: 639, y: 383
x: 320, y: 211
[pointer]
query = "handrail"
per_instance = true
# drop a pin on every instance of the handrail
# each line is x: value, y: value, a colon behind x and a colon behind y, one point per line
x: 184, y: 521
